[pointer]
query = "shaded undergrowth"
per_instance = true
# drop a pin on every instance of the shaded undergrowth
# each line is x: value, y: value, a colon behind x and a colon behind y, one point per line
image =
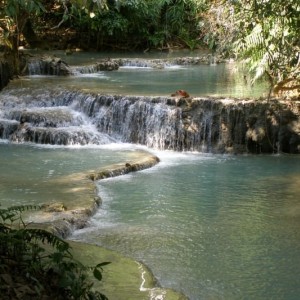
x: 36, y: 264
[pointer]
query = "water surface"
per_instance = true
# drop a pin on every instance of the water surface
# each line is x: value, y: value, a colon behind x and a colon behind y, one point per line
x: 224, y: 79
x: 213, y: 227
x: 29, y: 174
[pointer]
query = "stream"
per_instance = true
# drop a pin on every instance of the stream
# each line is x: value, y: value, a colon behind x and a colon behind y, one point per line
x: 212, y: 226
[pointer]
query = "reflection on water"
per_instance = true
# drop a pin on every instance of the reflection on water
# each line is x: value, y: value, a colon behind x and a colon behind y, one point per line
x: 213, y: 227
x: 83, y: 58
x: 225, y: 79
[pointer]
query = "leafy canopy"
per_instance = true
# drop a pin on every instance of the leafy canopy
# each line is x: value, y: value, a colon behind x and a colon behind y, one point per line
x: 268, y: 37
x: 35, y: 262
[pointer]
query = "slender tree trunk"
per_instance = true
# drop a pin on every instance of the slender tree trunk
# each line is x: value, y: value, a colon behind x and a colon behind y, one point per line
x: 15, y: 42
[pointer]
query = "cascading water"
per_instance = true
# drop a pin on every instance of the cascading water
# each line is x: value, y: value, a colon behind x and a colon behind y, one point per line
x: 217, y: 125
x: 200, y: 124
x: 188, y: 206
x: 47, y: 120
x: 90, y: 118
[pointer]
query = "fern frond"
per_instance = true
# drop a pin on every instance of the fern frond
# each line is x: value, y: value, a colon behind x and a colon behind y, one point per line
x: 20, y: 208
x: 45, y: 237
x: 255, y: 38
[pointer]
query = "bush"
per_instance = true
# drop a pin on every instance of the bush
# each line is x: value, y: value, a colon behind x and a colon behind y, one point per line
x: 36, y: 264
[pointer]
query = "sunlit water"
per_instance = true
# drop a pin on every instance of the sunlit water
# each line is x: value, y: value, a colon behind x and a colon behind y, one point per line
x: 28, y: 173
x: 213, y: 227
x: 224, y: 79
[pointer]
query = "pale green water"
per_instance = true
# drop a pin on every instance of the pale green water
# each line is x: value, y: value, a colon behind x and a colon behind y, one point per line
x: 224, y: 79
x: 27, y: 171
x: 213, y: 227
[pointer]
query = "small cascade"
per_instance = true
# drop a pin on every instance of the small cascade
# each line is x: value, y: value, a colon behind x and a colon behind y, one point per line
x: 47, y: 65
x: 101, y: 65
x: 145, y: 63
x: 59, y: 136
x: 38, y: 68
x: 201, y: 124
x: 140, y: 121
x: 43, y: 120
x: 47, y: 117
x: 7, y: 128
x: 90, y: 69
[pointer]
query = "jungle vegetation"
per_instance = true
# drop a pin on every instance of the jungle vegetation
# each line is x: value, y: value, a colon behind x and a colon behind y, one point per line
x: 262, y: 33
x: 36, y: 264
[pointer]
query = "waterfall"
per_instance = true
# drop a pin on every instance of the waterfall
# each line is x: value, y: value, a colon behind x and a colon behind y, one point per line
x: 47, y: 65
x: 200, y: 124
x: 140, y: 120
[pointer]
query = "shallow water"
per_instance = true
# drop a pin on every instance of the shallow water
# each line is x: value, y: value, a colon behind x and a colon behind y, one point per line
x: 224, y: 79
x: 213, y: 227
x: 210, y: 226
x: 29, y: 173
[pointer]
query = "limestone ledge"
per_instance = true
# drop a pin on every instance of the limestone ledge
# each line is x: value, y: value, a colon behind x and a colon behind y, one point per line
x: 137, y: 281
x: 128, y: 167
x: 79, y: 196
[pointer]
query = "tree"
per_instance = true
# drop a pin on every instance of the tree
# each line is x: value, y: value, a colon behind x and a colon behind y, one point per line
x: 217, y: 27
x: 13, y: 17
x: 268, y: 40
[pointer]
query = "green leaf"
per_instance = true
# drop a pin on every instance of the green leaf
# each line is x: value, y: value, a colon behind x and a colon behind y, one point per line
x: 97, y: 274
x: 103, y: 264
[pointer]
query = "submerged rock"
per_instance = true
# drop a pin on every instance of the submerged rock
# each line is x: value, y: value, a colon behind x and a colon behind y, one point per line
x: 54, y: 207
x: 145, y: 162
x: 123, y: 278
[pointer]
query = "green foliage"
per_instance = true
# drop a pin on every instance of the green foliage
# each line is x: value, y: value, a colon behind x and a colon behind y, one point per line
x: 268, y: 37
x: 217, y: 27
x: 40, y: 261
x: 14, y: 14
x: 129, y: 24
x: 136, y: 24
x: 180, y: 19
x: 264, y: 33
x: 90, y: 4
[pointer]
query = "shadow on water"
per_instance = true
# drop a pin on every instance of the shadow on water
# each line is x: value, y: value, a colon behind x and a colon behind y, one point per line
x: 211, y: 226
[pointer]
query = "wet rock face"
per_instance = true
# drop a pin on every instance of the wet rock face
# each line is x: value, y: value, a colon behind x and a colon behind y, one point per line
x: 46, y: 65
x: 107, y: 65
x: 235, y: 126
x: 213, y: 125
